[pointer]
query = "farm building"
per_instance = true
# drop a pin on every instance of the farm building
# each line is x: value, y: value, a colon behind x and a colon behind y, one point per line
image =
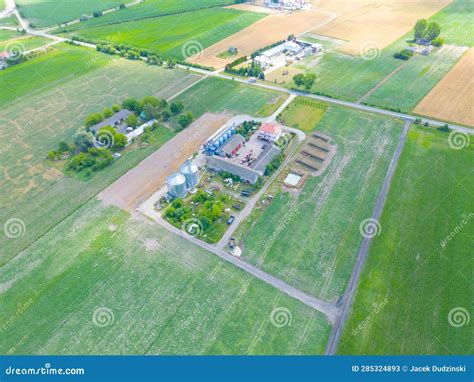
x: 269, y: 132
x: 223, y: 164
x: 115, y: 120
x: 231, y: 147
x: 187, y: 178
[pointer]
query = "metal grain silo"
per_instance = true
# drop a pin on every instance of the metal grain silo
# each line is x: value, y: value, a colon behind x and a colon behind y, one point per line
x: 191, y: 174
x: 176, y: 185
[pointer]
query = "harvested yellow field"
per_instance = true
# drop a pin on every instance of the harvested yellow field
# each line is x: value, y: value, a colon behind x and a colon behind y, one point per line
x: 368, y: 23
x: 452, y: 99
x: 274, y: 27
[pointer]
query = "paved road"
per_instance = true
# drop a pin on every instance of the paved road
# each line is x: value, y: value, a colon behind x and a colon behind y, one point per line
x: 348, y: 297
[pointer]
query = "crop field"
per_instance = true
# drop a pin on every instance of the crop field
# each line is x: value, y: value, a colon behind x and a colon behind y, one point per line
x: 456, y: 21
x: 413, y: 81
x: 272, y: 28
x: 34, y: 123
x: 303, y: 114
x: 424, y: 274
x: 8, y: 34
x: 178, y: 35
x: 357, y: 20
x: 218, y: 95
x: 311, y: 239
x: 148, y: 9
x: 9, y: 21
x: 92, y: 283
x: 451, y: 99
x: 24, y: 44
x: 43, y: 13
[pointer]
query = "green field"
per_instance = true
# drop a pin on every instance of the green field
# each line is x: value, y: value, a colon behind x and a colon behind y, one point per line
x: 76, y: 82
x: 408, y: 265
x: 164, y: 295
x: 303, y: 114
x: 170, y: 35
x: 218, y: 95
x: 8, y: 34
x: 148, y: 9
x: 24, y: 43
x: 457, y: 24
x: 352, y: 77
x: 43, y: 13
x: 413, y: 81
x: 9, y: 21
x: 310, y: 240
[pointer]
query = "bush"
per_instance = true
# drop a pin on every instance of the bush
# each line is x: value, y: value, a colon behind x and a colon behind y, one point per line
x: 438, y: 42
x: 185, y: 119
x: 405, y: 54
x: 97, y: 13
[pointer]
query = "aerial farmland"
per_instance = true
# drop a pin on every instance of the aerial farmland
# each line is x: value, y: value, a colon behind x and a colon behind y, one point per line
x: 224, y: 177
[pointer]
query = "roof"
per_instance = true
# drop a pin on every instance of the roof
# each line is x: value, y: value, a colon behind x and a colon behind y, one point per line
x: 222, y: 164
x: 270, y: 128
x: 232, y: 143
x: 265, y: 157
x: 122, y: 114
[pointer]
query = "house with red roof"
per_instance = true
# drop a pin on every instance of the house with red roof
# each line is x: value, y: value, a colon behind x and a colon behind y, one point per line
x: 269, y: 132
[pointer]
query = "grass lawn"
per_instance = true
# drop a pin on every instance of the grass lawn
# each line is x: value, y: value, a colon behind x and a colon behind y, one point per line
x: 217, y: 95
x: 148, y: 9
x: 408, y: 265
x: 170, y: 35
x: 310, y: 240
x: 24, y: 43
x: 159, y: 293
x: 9, y: 21
x: 43, y: 13
x: 303, y: 113
x: 456, y: 22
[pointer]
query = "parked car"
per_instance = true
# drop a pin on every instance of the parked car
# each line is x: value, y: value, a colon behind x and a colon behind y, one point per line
x: 231, y: 219
x: 116, y: 155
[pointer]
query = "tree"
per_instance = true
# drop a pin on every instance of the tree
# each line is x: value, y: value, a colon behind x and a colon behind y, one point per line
x: 185, y: 119
x: 108, y: 113
x: 83, y: 139
x: 149, y: 100
x: 298, y: 79
x: 432, y: 31
x: 120, y: 140
x: 93, y: 119
x: 165, y: 115
x: 308, y: 80
x: 116, y: 108
x: 420, y: 28
x: 97, y: 13
x: 63, y: 146
x: 132, y: 105
x: 132, y: 120
x: 150, y: 111
x: 176, y: 107
x: 439, y: 41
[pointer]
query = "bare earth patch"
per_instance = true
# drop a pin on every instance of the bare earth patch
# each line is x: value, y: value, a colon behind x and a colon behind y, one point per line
x: 366, y: 23
x: 274, y: 27
x: 452, y: 99
x: 142, y: 181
